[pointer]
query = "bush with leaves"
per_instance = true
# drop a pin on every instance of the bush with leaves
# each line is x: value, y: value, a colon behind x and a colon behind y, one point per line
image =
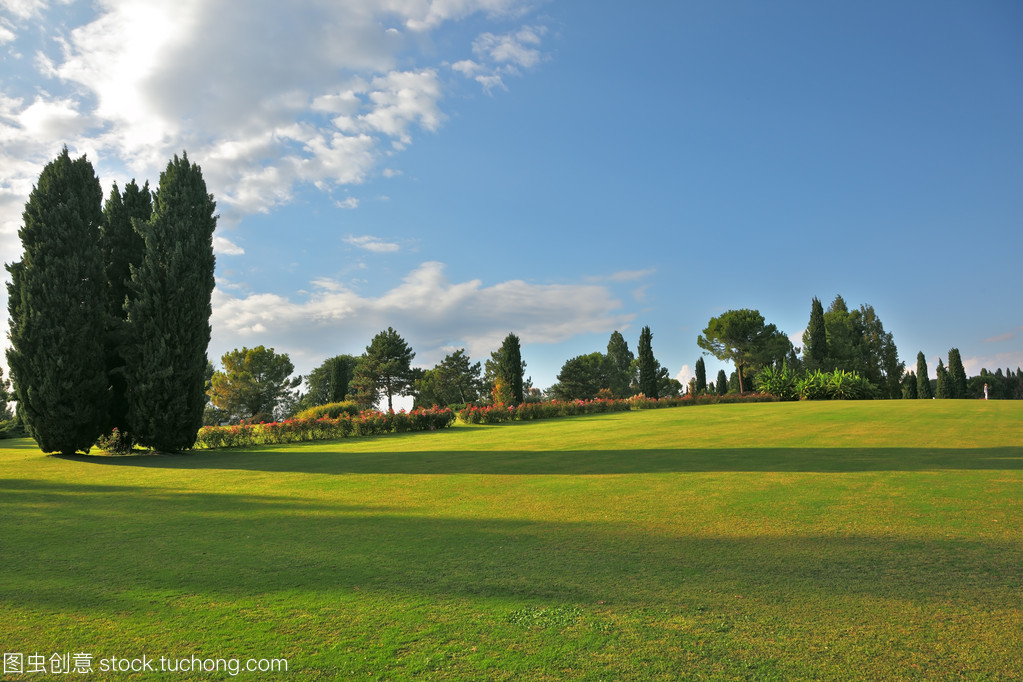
x: 780, y: 382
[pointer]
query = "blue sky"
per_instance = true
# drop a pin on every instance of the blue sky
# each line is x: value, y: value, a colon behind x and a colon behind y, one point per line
x: 461, y: 169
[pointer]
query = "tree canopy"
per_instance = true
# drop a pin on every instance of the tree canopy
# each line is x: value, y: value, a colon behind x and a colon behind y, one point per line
x: 386, y: 368
x: 742, y: 337
x: 255, y: 383
x: 57, y: 308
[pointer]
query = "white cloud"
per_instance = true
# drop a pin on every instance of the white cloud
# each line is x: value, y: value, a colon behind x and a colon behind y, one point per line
x: 266, y: 97
x: 684, y: 375
x: 511, y: 49
x: 225, y: 247
x: 348, y: 203
x: 373, y: 244
x: 502, y: 55
x: 432, y: 313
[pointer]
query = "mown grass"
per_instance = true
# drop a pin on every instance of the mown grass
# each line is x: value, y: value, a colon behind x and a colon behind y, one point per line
x: 771, y: 541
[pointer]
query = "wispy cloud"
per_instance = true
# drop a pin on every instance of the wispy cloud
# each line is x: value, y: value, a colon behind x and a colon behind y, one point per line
x: 1007, y: 336
x: 430, y: 311
x: 373, y: 244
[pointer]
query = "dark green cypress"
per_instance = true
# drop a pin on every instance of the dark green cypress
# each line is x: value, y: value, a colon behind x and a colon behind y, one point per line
x: 57, y: 310
x: 815, y: 338
x: 956, y: 375
x: 721, y: 385
x: 169, y: 316
x: 647, y: 364
x: 701, y: 376
x: 909, y: 386
x: 923, y: 382
x: 510, y: 368
x: 942, y: 387
x: 123, y: 248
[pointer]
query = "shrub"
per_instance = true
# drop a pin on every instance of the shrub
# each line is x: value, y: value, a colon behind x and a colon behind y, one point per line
x: 330, y: 410
x: 778, y: 382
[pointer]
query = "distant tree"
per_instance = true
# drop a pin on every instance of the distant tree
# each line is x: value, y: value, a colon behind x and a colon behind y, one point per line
x: 647, y: 364
x: 386, y: 369
x: 701, y: 376
x: 942, y: 385
x: 815, y: 338
x: 742, y: 337
x: 722, y: 383
x: 923, y: 382
x: 123, y: 248
x: 57, y: 308
x: 844, y: 337
x: 957, y: 375
x: 505, y: 371
x: 256, y: 383
x: 330, y: 382
x: 619, y: 369
x: 456, y: 380
x: 169, y: 309
x: 909, y: 387
x: 582, y: 377
x: 667, y: 386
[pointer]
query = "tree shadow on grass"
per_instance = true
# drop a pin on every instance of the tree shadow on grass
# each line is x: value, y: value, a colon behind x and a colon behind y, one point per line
x: 348, y: 459
x: 99, y: 548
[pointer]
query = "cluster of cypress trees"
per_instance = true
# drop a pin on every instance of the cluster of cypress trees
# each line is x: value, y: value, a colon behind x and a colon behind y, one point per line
x: 110, y: 308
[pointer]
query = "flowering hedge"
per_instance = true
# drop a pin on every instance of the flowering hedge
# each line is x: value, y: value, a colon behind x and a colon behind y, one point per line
x: 495, y: 414
x: 641, y: 403
x: 366, y: 423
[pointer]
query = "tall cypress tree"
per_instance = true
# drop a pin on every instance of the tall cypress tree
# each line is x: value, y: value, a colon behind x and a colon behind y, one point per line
x: 923, y: 382
x: 57, y: 310
x: 942, y: 384
x: 123, y: 248
x: 169, y: 316
x: 619, y: 365
x: 909, y: 386
x: 647, y: 364
x: 701, y: 376
x: 956, y: 375
x: 721, y: 385
x: 510, y: 367
x: 815, y: 338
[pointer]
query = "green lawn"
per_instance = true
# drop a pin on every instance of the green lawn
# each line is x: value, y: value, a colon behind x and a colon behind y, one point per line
x: 785, y: 540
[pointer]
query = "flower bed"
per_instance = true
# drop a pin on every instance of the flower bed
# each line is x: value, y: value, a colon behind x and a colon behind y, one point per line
x: 496, y: 414
x: 366, y: 423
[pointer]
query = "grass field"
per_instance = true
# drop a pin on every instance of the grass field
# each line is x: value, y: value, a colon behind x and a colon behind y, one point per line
x: 870, y: 540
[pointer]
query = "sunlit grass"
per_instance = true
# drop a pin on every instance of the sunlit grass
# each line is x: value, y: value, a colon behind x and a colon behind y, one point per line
x: 809, y: 540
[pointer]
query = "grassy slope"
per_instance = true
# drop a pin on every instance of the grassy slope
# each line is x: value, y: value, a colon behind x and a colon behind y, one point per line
x: 838, y: 540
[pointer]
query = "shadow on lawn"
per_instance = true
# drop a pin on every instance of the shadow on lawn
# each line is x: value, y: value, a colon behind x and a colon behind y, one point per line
x: 314, y: 458
x: 87, y: 548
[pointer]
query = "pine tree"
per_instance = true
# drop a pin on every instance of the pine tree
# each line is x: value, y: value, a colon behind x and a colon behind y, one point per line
x: 815, y: 338
x: 942, y: 385
x: 701, y: 376
x: 387, y: 366
x: 169, y: 312
x: 647, y: 364
x: 956, y: 374
x: 57, y: 310
x: 123, y: 248
x: 722, y: 382
x: 923, y: 382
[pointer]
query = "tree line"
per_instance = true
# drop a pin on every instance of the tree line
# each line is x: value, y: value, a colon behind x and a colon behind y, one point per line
x: 110, y: 306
